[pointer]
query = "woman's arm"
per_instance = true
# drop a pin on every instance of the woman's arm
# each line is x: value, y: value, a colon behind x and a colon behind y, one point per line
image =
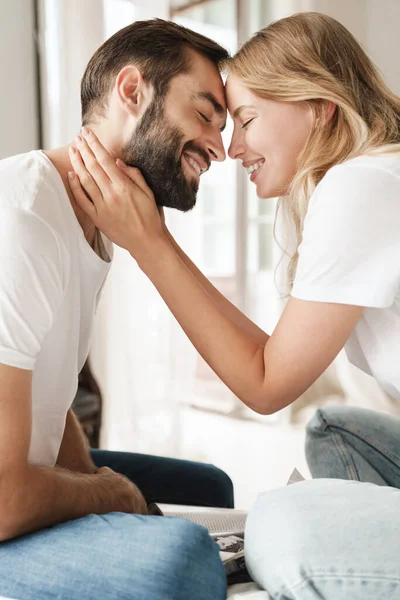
x: 229, y: 309
x: 265, y: 376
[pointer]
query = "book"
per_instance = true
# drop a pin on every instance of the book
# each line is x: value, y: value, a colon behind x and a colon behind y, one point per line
x: 226, y: 527
x: 216, y: 520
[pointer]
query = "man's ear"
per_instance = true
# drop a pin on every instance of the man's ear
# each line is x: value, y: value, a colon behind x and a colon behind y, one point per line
x: 132, y: 91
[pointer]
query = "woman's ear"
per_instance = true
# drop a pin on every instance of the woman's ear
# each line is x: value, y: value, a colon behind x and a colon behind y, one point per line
x: 323, y: 112
x: 329, y: 109
x: 132, y: 91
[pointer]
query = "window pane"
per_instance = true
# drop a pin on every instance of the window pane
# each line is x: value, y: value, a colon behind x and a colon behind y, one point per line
x: 252, y: 248
x: 220, y: 13
x: 216, y: 200
x: 266, y: 206
x: 117, y: 14
x: 216, y: 240
x: 265, y: 243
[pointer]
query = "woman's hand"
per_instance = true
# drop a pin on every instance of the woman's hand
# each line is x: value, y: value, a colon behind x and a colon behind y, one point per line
x: 116, y: 197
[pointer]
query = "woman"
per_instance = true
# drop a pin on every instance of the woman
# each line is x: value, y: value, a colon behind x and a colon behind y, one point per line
x: 314, y: 124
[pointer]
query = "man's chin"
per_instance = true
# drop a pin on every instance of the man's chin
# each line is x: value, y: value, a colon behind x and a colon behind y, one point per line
x: 183, y: 205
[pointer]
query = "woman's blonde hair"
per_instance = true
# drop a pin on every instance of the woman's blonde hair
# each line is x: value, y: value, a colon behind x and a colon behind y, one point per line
x: 312, y: 57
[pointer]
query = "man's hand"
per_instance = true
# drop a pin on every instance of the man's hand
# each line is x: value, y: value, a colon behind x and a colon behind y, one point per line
x: 125, y: 496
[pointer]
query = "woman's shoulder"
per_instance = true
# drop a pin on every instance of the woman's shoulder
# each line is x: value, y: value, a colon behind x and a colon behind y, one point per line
x: 367, y: 166
x: 368, y: 185
x: 361, y: 179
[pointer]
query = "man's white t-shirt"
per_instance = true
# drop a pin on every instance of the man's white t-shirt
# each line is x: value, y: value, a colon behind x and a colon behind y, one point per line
x: 50, y: 281
x: 350, y: 254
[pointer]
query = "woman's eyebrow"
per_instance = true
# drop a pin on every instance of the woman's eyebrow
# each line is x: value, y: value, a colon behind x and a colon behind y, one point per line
x: 238, y: 111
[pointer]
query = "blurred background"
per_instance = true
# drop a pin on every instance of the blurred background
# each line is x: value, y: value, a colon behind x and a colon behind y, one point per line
x: 159, y: 396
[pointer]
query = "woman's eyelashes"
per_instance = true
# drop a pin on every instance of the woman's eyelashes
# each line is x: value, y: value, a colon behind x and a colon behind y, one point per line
x: 247, y: 123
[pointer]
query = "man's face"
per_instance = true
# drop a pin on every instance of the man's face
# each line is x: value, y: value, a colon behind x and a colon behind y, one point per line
x: 180, y: 134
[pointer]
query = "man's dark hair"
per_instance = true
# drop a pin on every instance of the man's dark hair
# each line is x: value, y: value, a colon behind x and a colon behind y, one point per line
x: 158, y: 48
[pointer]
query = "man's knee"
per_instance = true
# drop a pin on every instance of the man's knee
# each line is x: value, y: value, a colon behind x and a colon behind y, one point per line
x: 142, y: 557
x: 222, y: 488
x: 174, y: 560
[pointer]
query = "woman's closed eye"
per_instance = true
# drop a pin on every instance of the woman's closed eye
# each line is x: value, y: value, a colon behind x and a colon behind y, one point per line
x: 247, y: 123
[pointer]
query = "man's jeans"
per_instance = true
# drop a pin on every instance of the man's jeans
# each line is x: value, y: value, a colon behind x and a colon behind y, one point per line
x: 169, y: 480
x: 334, y: 539
x: 119, y: 556
x: 114, y: 557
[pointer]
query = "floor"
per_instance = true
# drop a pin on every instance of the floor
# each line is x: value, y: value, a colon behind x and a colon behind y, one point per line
x: 256, y: 456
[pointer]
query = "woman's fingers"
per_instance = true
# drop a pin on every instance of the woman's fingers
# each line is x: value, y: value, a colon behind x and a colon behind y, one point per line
x: 93, y: 167
x: 81, y: 198
x: 85, y: 178
x: 103, y: 158
x: 136, y: 176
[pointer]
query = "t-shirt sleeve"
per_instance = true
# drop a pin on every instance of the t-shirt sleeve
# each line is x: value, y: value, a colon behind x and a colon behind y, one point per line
x: 31, y: 286
x: 350, y: 251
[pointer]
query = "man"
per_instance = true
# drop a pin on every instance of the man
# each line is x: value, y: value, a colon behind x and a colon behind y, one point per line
x: 154, y: 95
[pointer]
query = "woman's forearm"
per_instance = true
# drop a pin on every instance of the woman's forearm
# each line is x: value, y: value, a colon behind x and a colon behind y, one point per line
x: 229, y: 309
x: 230, y: 351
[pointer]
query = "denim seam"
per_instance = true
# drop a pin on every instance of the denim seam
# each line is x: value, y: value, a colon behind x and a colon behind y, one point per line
x: 346, y: 456
x: 332, y: 576
x: 374, y: 444
x: 371, y: 442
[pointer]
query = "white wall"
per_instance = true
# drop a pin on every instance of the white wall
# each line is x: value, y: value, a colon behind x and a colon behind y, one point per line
x: 375, y: 24
x: 18, y: 100
x: 71, y: 30
x: 383, y: 30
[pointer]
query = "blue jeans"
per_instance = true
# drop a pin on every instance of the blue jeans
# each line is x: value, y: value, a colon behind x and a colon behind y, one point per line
x: 345, y: 442
x: 170, y: 480
x: 333, y: 538
x: 120, y: 556
x: 114, y: 557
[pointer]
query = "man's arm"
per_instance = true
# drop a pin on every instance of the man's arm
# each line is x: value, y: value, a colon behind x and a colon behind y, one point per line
x: 32, y: 496
x: 74, y: 450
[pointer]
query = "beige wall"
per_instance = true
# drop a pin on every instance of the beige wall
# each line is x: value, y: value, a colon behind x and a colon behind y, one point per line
x: 18, y: 100
x: 376, y: 24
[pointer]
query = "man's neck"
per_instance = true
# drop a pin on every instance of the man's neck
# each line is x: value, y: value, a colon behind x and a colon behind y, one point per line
x: 60, y: 159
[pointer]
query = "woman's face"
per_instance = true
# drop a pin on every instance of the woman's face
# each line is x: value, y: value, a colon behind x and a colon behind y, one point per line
x: 268, y: 137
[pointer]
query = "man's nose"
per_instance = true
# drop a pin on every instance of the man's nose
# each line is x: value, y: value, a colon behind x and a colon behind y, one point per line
x: 216, y: 149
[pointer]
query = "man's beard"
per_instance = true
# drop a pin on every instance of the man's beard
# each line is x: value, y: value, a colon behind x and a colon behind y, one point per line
x: 156, y: 149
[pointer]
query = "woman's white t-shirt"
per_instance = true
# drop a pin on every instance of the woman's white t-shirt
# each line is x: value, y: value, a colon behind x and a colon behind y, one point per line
x: 50, y: 281
x: 350, y: 254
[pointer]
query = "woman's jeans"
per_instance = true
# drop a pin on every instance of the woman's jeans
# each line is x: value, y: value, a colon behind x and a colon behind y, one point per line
x: 119, y: 556
x: 336, y: 537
